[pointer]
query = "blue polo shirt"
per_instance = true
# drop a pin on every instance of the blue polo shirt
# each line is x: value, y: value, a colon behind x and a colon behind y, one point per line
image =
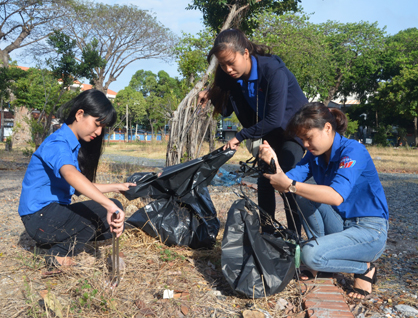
x: 43, y: 183
x: 249, y: 90
x: 350, y: 172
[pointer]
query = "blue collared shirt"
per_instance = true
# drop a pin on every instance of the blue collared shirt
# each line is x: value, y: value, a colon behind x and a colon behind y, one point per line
x: 350, y: 172
x: 43, y: 183
x: 250, y: 90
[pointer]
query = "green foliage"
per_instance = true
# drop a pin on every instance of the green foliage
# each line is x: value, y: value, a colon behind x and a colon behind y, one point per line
x: 352, y: 127
x: 85, y: 294
x: 190, y: 54
x: 215, y: 11
x: 8, y: 75
x: 135, y: 101
x: 33, y: 89
x: 167, y: 255
x: 301, y: 45
x: 382, y: 134
x: 162, y: 95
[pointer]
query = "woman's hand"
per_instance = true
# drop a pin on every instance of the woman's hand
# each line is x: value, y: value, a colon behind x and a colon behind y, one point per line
x: 122, y: 187
x: 202, y: 98
x: 232, y: 144
x: 116, y: 223
x: 279, y: 180
x: 266, y: 153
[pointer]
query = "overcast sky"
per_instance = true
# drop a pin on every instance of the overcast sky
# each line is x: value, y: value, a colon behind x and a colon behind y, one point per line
x: 395, y: 15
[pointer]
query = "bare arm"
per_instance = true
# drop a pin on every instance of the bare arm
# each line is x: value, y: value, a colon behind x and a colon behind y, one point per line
x: 77, y: 180
x: 114, y: 187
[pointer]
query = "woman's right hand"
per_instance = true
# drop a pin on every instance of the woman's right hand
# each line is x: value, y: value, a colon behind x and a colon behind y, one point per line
x: 202, y: 98
x: 115, y: 223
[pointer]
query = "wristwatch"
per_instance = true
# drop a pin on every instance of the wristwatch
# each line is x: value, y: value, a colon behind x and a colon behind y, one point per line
x: 292, y: 187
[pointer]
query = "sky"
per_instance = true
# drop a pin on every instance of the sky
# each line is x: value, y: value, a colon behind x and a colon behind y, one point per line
x: 395, y: 15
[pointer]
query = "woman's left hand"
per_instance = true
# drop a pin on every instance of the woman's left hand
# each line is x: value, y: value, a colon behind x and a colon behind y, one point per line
x: 279, y: 180
x: 232, y: 144
x: 122, y: 187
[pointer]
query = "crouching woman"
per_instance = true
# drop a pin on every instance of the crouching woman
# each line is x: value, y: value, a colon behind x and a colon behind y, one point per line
x: 64, y: 163
x: 346, y: 209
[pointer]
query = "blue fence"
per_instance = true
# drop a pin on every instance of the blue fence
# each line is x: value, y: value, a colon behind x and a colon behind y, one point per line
x: 138, y: 137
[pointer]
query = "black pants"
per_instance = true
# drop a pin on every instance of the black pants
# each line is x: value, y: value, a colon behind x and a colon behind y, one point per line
x: 67, y: 228
x: 289, y: 153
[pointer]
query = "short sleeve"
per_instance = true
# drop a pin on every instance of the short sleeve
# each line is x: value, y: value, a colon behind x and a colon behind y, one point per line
x: 301, y: 172
x: 353, y: 162
x: 57, y: 154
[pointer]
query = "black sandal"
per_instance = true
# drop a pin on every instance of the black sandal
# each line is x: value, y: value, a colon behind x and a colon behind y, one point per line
x: 372, y: 280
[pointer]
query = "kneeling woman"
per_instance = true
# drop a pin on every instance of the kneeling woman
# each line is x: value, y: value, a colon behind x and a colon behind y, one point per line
x: 64, y: 163
x: 346, y: 208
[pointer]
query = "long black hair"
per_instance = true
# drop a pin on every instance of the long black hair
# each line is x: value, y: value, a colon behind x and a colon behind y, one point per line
x: 235, y: 41
x: 316, y: 115
x: 94, y: 103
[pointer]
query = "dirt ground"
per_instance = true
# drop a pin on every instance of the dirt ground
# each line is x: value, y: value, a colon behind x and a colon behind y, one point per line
x: 195, y: 277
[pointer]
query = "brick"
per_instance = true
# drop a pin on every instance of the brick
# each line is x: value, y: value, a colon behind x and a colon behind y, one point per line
x: 330, y: 314
x: 325, y: 297
x: 335, y: 305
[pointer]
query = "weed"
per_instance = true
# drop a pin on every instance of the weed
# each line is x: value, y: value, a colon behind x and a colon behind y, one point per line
x: 167, y: 255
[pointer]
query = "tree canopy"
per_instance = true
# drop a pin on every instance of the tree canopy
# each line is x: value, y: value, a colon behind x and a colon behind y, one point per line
x: 24, y: 22
x: 216, y: 11
x: 121, y: 34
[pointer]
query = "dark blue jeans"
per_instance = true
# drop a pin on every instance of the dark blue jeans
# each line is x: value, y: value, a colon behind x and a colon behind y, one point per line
x: 67, y: 228
x: 289, y: 153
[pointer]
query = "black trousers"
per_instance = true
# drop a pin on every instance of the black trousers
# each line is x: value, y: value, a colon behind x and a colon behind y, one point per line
x: 289, y: 153
x: 67, y: 228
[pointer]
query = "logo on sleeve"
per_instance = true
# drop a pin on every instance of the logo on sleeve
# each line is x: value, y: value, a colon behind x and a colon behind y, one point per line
x: 347, y: 162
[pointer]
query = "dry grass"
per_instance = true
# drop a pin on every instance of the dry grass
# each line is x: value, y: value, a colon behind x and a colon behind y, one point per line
x: 195, y: 276
x: 158, y: 149
x: 395, y: 160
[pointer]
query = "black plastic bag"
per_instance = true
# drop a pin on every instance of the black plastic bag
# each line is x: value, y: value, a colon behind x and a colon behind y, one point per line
x: 183, y: 213
x: 254, y: 264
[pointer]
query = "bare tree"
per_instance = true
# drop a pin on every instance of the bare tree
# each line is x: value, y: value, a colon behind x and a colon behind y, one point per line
x: 124, y: 34
x: 189, y: 123
x: 24, y: 22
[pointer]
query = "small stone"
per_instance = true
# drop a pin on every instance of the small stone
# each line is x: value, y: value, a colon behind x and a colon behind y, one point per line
x: 406, y: 310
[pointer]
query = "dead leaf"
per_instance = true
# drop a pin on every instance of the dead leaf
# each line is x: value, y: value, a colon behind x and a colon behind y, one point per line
x: 52, y: 303
x: 252, y: 314
x: 184, y: 310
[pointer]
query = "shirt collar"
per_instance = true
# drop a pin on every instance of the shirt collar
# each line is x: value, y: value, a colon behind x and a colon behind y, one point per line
x: 335, y: 152
x: 253, y: 74
x: 72, y: 139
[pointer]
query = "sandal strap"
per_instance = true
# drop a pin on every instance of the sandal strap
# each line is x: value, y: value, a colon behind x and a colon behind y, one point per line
x: 361, y: 291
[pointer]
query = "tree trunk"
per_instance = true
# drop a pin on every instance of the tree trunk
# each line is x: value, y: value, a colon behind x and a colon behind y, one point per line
x: 182, y: 136
x: 2, y: 120
x: 333, y: 89
x: 4, y: 58
x: 416, y: 130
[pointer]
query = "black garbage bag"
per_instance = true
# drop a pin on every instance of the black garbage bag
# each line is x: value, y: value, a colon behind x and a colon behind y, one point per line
x: 254, y: 264
x: 183, y: 213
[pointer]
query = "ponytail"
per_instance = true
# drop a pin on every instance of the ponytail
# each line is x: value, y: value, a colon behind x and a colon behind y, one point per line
x: 316, y: 115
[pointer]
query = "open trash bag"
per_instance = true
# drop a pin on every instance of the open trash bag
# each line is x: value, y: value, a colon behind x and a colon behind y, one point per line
x: 183, y: 213
x: 254, y: 264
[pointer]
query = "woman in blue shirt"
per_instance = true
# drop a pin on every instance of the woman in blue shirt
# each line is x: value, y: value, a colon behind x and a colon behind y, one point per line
x: 264, y: 95
x: 346, y: 208
x: 64, y: 163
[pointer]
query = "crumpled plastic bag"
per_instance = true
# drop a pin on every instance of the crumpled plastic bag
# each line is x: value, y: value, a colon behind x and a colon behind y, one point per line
x: 225, y: 178
x: 254, y: 264
x: 183, y: 213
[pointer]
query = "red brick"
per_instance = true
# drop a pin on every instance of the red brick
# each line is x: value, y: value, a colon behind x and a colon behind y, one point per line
x: 335, y: 305
x: 326, y: 289
x: 330, y: 314
x: 327, y: 297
